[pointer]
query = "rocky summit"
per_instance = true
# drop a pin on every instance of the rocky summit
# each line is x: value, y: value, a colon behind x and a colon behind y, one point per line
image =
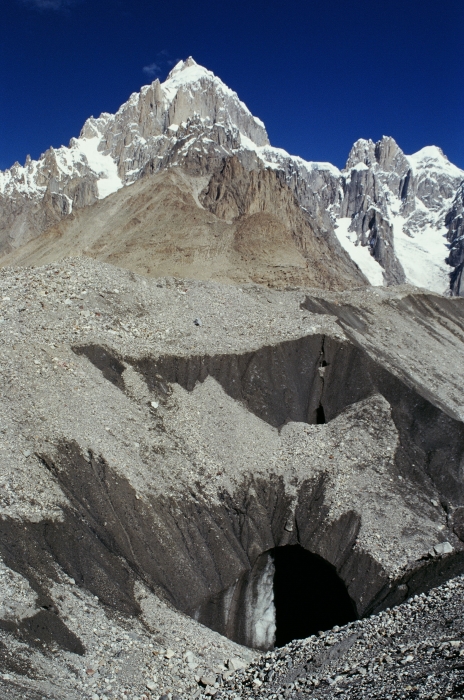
x: 231, y: 426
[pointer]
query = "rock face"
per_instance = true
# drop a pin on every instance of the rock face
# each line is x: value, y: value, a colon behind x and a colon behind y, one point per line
x: 152, y: 465
x: 386, y: 209
x: 395, y: 206
x: 455, y: 224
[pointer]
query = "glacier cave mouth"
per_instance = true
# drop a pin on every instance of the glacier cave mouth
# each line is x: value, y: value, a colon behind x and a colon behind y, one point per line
x: 289, y: 593
x: 309, y: 596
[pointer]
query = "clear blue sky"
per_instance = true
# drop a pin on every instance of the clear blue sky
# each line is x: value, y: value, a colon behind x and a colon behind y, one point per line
x: 319, y: 74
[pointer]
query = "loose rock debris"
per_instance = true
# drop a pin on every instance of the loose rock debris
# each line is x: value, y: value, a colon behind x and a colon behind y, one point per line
x: 119, y: 426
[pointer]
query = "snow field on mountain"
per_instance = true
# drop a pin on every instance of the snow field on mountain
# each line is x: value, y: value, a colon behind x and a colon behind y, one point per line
x: 359, y: 253
x: 433, y: 157
x: 422, y: 256
x: 104, y: 166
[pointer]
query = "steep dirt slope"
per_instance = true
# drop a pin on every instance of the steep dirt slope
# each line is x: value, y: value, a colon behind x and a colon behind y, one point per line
x: 249, y: 229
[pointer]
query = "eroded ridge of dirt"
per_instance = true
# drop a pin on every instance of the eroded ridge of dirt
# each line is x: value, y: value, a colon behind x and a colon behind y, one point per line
x: 158, y: 438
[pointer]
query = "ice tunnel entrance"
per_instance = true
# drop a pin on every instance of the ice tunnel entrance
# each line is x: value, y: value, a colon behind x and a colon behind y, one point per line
x: 288, y: 594
x: 308, y: 595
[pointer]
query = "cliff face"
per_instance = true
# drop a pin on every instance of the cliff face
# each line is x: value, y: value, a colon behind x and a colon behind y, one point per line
x: 455, y: 224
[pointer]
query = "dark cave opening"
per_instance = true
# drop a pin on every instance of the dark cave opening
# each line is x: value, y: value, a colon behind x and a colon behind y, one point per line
x: 308, y: 595
x: 320, y: 415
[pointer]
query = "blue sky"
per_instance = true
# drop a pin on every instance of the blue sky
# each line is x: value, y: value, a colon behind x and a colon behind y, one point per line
x: 319, y: 74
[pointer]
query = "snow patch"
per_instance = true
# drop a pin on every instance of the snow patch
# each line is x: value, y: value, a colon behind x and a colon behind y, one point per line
x: 422, y: 255
x: 359, y: 253
x: 103, y: 166
x: 276, y: 158
x: 187, y: 73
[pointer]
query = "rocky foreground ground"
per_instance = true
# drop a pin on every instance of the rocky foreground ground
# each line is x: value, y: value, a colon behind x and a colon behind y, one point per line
x: 415, y: 650
x: 133, y: 529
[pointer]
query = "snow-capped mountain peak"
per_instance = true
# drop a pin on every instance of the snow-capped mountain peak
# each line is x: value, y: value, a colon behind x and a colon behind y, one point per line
x: 387, y: 209
x: 114, y: 148
x: 432, y: 157
x: 192, y: 118
x: 394, y: 207
x: 182, y: 66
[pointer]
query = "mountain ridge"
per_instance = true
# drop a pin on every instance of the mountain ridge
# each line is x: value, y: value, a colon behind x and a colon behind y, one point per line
x: 387, y: 210
x: 235, y: 227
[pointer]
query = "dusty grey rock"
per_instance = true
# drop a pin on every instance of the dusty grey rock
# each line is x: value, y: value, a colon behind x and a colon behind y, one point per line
x: 410, y: 649
x: 235, y: 664
x: 208, y: 680
x: 443, y: 548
